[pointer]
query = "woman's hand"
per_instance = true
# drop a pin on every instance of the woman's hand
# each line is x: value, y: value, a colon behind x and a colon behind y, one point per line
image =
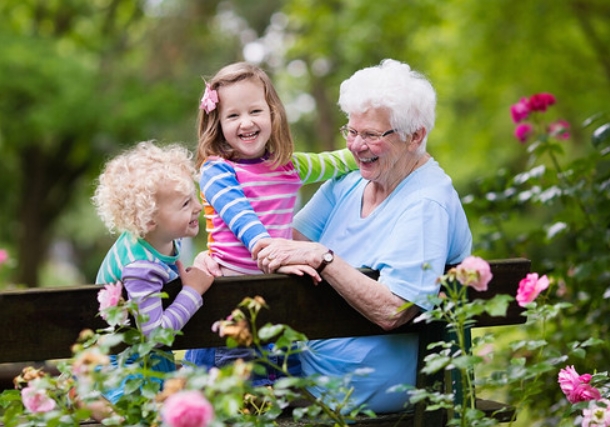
x: 271, y: 254
x: 299, y: 270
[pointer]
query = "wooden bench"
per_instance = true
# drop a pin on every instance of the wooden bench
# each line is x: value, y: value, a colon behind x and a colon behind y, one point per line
x: 42, y: 324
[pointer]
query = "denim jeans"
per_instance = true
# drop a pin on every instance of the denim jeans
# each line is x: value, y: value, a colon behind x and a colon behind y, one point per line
x: 222, y: 356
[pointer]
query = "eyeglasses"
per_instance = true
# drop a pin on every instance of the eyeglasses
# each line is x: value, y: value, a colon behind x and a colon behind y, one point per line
x: 351, y: 134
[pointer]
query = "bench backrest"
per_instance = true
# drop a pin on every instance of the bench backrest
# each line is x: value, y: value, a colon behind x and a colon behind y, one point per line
x: 42, y: 324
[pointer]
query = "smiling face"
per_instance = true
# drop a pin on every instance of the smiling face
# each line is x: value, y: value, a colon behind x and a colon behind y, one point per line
x: 177, y: 216
x: 245, y: 118
x: 385, y: 161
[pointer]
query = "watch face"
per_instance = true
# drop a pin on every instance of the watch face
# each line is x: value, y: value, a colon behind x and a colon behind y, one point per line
x: 328, y: 257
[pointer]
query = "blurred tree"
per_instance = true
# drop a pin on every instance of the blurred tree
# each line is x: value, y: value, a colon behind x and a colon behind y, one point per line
x: 55, y: 74
x: 81, y: 79
x: 75, y: 85
x: 480, y: 56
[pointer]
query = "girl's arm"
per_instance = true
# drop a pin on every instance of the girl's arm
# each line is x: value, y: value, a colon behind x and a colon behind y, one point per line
x: 144, y: 279
x: 317, y: 167
x: 223, y: 192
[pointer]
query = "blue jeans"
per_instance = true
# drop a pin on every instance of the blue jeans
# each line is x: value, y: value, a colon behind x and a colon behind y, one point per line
x: 162, y: 361
x: 222, y: 356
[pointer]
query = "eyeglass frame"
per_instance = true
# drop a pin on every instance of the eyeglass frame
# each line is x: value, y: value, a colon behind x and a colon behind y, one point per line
x: 350, y: 134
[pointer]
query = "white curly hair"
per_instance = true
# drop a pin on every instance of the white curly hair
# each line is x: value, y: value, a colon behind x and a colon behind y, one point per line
x: 126, y: 193
x: 393, y: 85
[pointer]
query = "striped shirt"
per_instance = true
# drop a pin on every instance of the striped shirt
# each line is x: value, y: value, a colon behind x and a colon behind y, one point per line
x: 143, y: 272
x: 247, y: 200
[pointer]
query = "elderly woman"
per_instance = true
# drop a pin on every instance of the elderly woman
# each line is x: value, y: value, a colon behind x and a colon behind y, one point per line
x: 400, y: 214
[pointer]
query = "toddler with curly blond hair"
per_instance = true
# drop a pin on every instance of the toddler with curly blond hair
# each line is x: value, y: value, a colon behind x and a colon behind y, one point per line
x: 148, y: 195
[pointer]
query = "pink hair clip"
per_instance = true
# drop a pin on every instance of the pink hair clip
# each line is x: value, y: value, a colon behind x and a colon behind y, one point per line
x: 209, y: 100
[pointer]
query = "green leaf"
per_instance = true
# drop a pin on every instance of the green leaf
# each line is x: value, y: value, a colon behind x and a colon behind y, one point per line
x: 466, y: 362
x: 269, y: 331
x: 601, y: 138
x: 579, y: 353
x: 498, y: 305
x: 436, y: 363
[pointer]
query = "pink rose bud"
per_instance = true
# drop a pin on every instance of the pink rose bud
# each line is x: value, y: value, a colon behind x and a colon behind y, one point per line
x: 520, y: 111
x: 541, y: 101
x: 523, y: 132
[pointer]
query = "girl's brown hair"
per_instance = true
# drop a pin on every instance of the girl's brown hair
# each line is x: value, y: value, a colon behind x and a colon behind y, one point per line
x: 211, y: 139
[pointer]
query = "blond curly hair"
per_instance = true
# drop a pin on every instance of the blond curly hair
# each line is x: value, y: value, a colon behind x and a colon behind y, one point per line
x: 126, y: 193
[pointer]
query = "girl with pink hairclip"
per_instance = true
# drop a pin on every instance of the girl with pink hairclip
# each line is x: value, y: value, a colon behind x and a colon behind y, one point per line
x: 250, y: 177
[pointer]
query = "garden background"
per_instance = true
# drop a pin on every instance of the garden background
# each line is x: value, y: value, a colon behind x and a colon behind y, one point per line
x: 79, y: 80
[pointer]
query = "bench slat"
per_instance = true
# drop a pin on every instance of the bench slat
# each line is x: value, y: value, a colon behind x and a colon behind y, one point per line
x: 42, y: 324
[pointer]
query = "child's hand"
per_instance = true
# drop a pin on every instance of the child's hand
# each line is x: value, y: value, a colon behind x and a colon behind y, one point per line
x: 299, y: 270
x: 205, y: 262
x: 195, y: 278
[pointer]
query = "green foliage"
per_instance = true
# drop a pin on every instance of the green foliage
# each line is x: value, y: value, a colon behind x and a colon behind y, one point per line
x: 78, y: 391
x: 521, y: 369
x: 570, y: 195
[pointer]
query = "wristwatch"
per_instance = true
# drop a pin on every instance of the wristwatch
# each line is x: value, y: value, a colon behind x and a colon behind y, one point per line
x: 327, y: 258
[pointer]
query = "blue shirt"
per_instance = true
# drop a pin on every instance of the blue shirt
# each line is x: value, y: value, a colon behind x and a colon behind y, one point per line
x: 409, y: 238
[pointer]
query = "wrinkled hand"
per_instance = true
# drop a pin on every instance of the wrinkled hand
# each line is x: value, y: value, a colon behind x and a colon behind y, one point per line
x: 301, y: 257
x: 195, y: 278
x: 300, y: 270
x: 205, y: 262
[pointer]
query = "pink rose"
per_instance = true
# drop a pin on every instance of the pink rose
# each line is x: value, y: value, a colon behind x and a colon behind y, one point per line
x: 568, y: 379
x: 3, y: 256
x: 520, y: 111
x: 36, y: 400
x: 559, y: 129
x: 474, y: 272
x: 523, y: 131
x: 541, y: 101
x: 584, y: 392
x: 110, y: 296
x: 530, y: 287
x: 576, y: 387
x: 187, y: 409
x: 596, y: 415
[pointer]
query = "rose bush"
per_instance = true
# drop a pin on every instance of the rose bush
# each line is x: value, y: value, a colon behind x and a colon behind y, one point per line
x: 552, y: 205
x: 456, y: 353
x: 189, y: 397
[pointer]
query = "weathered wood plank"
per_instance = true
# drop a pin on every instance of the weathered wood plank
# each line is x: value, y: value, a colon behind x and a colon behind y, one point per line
x: 42, y: 324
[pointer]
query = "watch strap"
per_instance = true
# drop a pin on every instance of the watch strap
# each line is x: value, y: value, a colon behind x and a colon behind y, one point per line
x: 327, y: 258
